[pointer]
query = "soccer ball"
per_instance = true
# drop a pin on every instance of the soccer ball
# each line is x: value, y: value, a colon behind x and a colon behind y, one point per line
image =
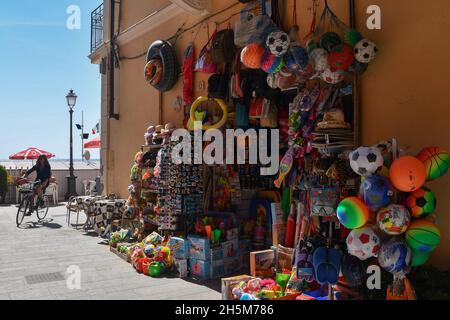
x: 394, y: 256
x: 366, y: 160
x: 421, y: 202
x: 363, y: 243
x: 394, y: 219
x: 365, y: 51
x: 278, y: 42
x: 332, y: 77
x: 319, y: 58
x: 376, y: 191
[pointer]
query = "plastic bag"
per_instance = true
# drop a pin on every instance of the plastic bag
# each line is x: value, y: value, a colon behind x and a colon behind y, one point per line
x: 204, y: 62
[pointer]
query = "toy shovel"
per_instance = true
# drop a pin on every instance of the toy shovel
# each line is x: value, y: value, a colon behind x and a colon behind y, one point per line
x: 285, y: 168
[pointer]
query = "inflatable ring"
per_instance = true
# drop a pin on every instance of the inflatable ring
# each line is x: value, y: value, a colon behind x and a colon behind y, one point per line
x: 222, y: 106
x: 153, y: 71
x: 164, y: 51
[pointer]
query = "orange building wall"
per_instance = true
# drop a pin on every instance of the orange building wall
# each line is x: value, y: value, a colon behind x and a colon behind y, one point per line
x: 403, y: 94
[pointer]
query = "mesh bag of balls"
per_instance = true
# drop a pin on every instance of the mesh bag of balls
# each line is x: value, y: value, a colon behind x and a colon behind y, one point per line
x: 393, y: 219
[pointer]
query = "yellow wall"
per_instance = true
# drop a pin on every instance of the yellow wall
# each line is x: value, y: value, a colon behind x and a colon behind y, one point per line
x: 403, y: 94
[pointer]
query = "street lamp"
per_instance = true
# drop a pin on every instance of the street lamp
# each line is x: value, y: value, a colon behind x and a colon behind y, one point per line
x: 71, y: 178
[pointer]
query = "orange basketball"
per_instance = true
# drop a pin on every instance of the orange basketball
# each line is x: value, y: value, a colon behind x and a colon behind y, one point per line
x: 251, y: 55
x: 407, y: 174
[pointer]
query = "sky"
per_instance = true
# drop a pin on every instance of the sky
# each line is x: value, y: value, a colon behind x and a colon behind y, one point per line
x: 40, y: 61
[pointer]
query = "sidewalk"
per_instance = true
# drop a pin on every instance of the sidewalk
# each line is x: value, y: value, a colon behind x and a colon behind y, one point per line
x: 42, y: 252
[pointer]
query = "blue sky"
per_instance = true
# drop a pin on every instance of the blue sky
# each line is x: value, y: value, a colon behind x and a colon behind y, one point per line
x: 40, y: 60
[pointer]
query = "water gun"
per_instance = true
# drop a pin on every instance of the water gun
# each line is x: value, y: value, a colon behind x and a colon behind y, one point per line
x: 285, y: 167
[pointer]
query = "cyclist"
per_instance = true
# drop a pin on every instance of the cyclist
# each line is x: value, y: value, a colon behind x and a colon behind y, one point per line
x: 43, y: 174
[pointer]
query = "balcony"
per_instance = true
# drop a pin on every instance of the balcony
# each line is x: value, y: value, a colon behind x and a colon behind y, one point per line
x: 97, y: 28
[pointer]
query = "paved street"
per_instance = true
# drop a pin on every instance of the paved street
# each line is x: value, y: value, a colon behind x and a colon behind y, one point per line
x: 37, y: 249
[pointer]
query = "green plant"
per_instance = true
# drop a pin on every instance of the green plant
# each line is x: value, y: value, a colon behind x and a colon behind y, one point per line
x: 3, y: 183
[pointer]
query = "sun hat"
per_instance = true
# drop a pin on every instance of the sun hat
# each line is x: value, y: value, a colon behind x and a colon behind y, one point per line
x: 333, y: 119
x: 168, y: 128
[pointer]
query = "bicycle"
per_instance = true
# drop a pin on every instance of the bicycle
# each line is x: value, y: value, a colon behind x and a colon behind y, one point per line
x: 29, y: 202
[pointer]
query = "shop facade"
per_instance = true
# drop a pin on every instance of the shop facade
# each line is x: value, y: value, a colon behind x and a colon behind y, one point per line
x: 401, y: 95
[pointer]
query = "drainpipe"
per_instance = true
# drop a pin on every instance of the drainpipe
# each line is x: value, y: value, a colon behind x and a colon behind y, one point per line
x: 356, y: 106
x: 112, y: 61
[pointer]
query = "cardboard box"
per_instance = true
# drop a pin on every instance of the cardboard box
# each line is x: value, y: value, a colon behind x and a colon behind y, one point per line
x: 217, y: 269
x: 229, y: 283
x: 181, y: 265
x: 278, y: 233
x: 232, y: 265
x: 230, y: 248
x: 216, y: 253
x: 262, y: 263
x: 200, y: 269
x: 285, y: 257
x: 232, y: 234
x: 199, y: 248
x: 179, y: 247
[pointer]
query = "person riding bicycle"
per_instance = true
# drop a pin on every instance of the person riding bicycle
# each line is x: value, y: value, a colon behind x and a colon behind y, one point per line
x: 43, y: 174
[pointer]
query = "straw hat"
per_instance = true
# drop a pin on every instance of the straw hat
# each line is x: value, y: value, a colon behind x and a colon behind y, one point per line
x: 168, y: 128
x: 333, y: 119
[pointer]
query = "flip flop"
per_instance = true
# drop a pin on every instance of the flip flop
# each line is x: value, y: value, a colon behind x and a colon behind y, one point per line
x: 334, y: 265
x: 320, y: 263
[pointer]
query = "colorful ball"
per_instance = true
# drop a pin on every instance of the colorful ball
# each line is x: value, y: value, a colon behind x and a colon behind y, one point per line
x: 365, y: 51
x: 393, y: 219
x: 407, y: 174
x: 419, y: 258
x: 352, y: 213
x: 319, y: 58
x: 376, y: 191
x: 296, y: 58
x: 363, y: 243
x: 394, y: 256
x: 251, y: 55
x: 366, y: 160
x: 421, y: 202
x: 341, y: 57
x: 423, y: 235
x: 352, y: 37
x: 332, y: 77
x: 436, y: 161
x: 271, y: 63
x: 329, y: 40
x: 278, y: 42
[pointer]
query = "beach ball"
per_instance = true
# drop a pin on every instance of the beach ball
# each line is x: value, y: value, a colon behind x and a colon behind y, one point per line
x: 376, y: 191
x: 423, y: 235
x: 329, y: 40
x: 352, y: 37
x: 366, y: 160
x: 393, y: 219
x: 332, y: 77
x: 394, y: 256
x: 365, y: 51
x: 352, y: 212
x: 407, y: 173
x: 319, y: 58
x: 341, y: 57
x: 271, y: 63
x: 363, y: 243
x: 251, y: 55
x: 436, y: 161
x: 278, y: 42
x: 419, y: 258
x: 296, y: 58
x: 421, y: 202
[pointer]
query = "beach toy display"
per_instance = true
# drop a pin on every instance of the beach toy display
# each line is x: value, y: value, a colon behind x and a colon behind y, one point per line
x: 352, y: 212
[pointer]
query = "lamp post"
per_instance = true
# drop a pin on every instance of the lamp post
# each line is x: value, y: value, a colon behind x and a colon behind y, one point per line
x: 71, y: 178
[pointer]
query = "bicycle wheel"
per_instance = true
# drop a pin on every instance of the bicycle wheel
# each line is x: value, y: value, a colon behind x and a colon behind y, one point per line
x: 42, y: 212
x: 23, y: 209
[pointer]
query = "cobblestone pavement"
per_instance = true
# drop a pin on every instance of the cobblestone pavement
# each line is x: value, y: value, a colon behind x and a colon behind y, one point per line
x: 51, y: 247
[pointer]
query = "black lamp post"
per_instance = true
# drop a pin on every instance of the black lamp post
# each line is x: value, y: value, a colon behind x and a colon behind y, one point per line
x: 71, y: 178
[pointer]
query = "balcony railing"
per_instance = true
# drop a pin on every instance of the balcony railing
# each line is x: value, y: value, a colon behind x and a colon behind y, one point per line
x: 97, y: 28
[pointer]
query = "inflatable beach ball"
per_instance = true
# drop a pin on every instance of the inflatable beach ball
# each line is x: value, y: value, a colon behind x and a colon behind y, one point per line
x: 394, y: 256
x: 407, y: 174
x: 421, y: 202
x: 436, y: 161
x: 363, y: 243
x: 423, y: 235
x: 394, y: 219
x: 365, y: 51
x: 271, y: 63
x: 376, y: 191
x: 332, y: 77
x: 366, y: 160
x: 319, y: 58
x: 352, y: 212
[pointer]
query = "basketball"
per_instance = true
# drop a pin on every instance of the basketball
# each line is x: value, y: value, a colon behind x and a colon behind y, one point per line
x: 407, y: 174
x: 352, y: 212
x: 436, y: 161
x: 421, y: 203
x: 423, y: 235
x: 419, y: 258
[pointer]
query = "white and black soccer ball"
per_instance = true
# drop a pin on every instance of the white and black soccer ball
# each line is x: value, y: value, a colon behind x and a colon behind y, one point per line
x: 278, y: 43
x: 365, y: 51
x: 366, y: 160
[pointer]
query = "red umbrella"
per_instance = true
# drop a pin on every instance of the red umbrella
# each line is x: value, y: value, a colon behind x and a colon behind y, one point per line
x: 92, y: 144
x: 30, y: 154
